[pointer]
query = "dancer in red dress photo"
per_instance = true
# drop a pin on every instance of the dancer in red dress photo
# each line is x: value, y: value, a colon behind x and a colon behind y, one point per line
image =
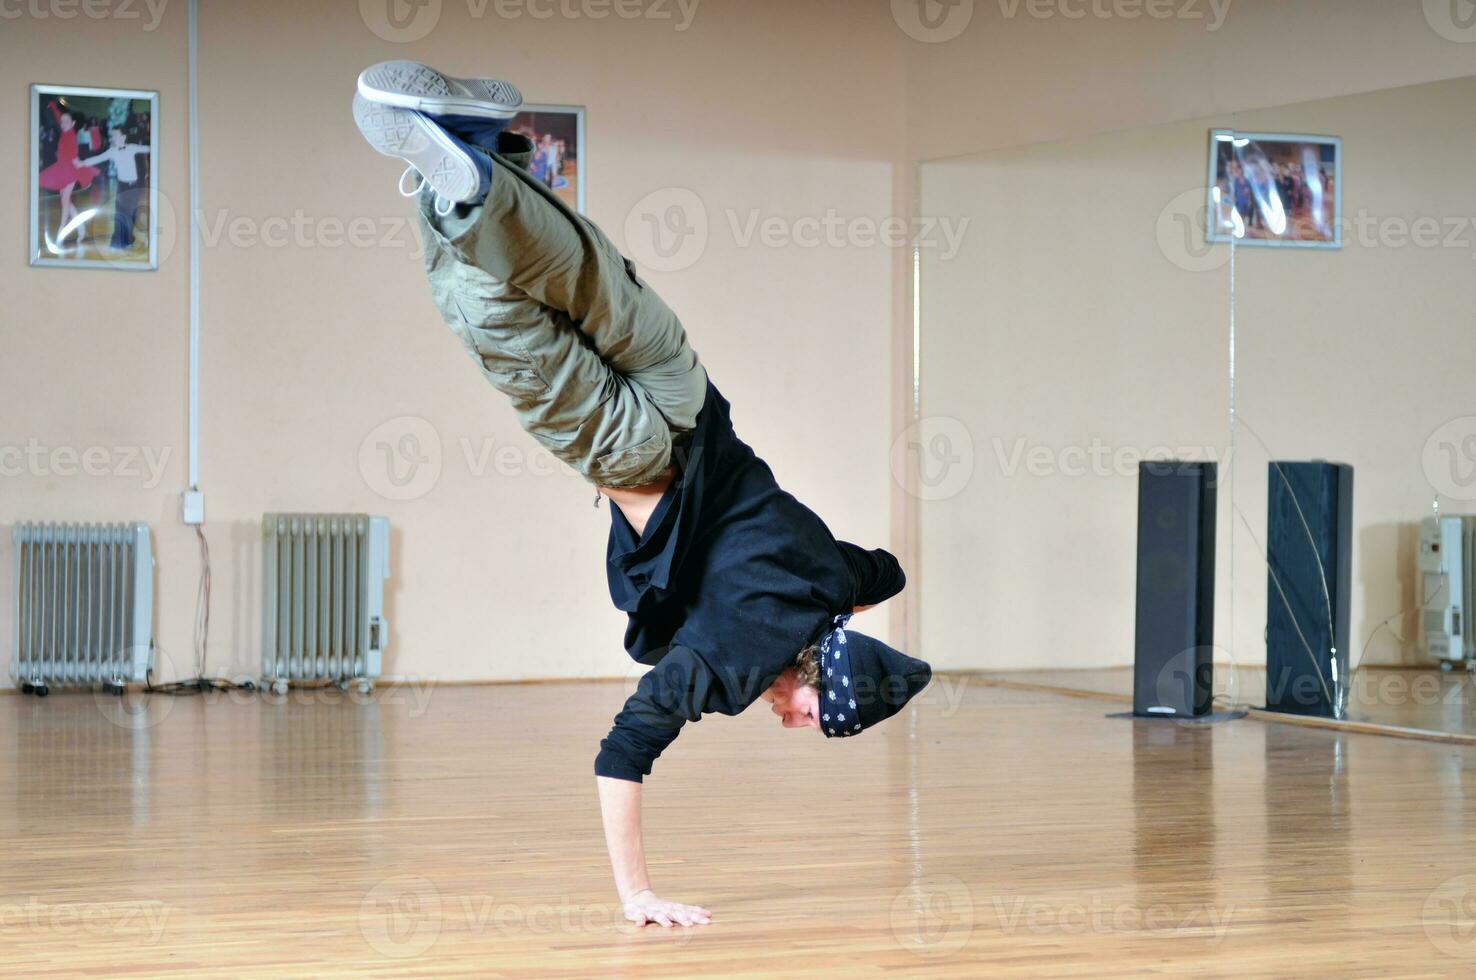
x: 67, y: 173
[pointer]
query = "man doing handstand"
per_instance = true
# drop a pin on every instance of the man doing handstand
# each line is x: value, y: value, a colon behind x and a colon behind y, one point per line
x: 734, y: 590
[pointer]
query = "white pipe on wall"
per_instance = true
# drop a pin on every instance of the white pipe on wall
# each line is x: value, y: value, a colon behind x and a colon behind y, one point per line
x: 194, y: 424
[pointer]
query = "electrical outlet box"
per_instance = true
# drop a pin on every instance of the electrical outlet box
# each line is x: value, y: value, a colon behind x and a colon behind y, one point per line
x: 192, y: 507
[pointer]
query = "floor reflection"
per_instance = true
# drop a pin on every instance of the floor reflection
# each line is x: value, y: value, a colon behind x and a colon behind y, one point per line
x: 1308, y: 821
x: 321, y: 750
x: 1174, y: 785
x: 69, y: 750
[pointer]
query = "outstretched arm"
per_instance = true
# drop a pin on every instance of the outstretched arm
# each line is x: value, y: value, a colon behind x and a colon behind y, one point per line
x: 620, y: 806
x: 674, y: 692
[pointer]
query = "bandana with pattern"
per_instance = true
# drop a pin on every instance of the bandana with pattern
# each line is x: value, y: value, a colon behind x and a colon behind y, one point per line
x: 838, y: 715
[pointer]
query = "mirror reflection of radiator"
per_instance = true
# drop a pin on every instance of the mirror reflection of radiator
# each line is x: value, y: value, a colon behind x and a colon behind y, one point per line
x: 1447, y: 588
x: 83, y: 605
x: 323, y: 598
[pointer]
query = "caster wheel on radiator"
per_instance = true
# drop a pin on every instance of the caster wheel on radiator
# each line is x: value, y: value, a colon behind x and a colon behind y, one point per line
x: 342, y: 685
x: 40, y: 690
x: 366, y: 687
x: 28, y: 688
x: 279, y: 687
x: 1446, y: 666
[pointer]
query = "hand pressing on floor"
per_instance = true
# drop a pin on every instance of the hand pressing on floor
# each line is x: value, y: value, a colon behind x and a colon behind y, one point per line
x: 644, y: 908
x: 620, y: 805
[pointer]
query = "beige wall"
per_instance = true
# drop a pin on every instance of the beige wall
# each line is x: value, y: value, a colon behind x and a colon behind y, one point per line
x: 996, y: 74
x: 1030, y: 71
x: 95, y: 358
x: 311, y: 346
x: 791, y: 109
x: 1078, y: 316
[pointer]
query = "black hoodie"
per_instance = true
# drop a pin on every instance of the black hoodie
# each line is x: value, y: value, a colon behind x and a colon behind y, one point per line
x: 732, y: 579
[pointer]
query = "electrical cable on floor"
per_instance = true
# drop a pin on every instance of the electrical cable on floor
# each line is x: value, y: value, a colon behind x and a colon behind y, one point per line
x: 202, y: 605
x: 200, y: 683
x: 1375, y: 632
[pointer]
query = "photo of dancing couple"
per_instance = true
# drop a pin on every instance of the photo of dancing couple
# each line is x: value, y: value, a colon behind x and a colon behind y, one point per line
x: 93, y: 193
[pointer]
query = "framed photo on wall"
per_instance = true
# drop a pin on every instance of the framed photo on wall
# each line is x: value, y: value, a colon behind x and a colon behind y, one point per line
x: 557, y: 132
x: 93, y: 176
x: 1276, y: 189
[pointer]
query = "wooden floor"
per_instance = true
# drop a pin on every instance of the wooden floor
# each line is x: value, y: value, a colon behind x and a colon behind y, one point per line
x: 994, y: 832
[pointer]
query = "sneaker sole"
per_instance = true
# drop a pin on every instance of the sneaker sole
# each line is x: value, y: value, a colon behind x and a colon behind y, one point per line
x: 400, y: 133
x: 411, y: 85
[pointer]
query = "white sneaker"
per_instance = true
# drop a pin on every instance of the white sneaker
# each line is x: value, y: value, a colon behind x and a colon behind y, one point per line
x: 411, y: 85
x: 450, y: 168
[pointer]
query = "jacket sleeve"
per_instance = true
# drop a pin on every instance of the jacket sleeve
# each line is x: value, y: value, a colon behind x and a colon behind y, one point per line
x: 679, y: 689
x: 877, y: 574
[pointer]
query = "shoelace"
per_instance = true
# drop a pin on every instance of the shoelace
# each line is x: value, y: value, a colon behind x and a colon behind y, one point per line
x: 420, y: 186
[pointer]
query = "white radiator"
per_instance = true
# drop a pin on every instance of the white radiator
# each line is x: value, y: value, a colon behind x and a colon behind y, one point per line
x: 83, y: 605
x: 323, y: 598
x: 1447, y: 561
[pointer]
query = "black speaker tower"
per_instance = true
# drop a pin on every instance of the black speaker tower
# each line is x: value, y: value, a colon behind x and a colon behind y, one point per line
x: 1173, y: 666
x: 1309, y: 554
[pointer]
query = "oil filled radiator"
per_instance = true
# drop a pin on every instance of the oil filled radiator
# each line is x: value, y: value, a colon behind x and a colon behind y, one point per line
x: 83, y: 611
x: 1447, y: 565
x: 323, y: 599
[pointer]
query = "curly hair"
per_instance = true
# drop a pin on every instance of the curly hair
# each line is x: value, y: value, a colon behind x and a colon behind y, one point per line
x: 807, y: 667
